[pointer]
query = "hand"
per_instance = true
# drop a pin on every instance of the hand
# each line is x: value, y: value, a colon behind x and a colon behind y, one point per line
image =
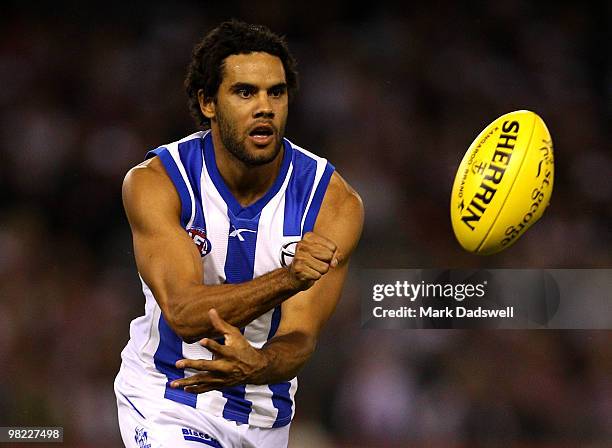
x: 233, y: 363
x: 314, y: 255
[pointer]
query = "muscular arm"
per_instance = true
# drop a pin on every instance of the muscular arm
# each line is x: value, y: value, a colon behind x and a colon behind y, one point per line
x: 171, y: 266
x: 303, y: 315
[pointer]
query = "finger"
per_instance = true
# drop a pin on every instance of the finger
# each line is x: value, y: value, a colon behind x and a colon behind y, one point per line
x: 318, y: 251
x: 214, y: 346
x: 306, y: 272
x: 312, y: 263
x: 216, y: 384
x: 336, y: 259
x: 201, y: 364
x: 320, y: 266
x: 320, y: 239
x: 200, y: 389
x: 198, y: 378
x: 219, y: 323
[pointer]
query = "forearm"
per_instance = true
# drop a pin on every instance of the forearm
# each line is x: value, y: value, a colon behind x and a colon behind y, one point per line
x: 284, y: 357
x: 238, y: 304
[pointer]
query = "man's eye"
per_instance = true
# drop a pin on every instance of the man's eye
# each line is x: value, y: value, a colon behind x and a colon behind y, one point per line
x: 244, y: 93
x: 276, y: 93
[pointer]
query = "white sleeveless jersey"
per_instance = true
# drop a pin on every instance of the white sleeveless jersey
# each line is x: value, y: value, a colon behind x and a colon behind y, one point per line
x: 237, y: 244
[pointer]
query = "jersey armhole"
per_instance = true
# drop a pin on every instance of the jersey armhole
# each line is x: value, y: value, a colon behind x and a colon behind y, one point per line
x: 317, y: 199
x: 177, y: 179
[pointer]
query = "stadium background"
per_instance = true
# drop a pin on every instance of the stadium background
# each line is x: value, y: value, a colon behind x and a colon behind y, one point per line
x: 393, y: 95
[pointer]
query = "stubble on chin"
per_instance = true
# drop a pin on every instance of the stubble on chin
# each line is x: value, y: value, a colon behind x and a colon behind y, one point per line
x: 237, y: 145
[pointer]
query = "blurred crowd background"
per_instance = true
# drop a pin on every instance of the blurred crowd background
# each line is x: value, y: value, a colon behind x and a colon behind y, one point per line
x: 393, y: 96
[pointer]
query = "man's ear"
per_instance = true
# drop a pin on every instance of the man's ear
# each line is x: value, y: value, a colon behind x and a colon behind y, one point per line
x: 207, y: 105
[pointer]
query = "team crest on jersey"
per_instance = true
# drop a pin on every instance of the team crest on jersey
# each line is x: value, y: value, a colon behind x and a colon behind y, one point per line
x: 141, y: 437
x: 198, y: 235
x: 287, y: 253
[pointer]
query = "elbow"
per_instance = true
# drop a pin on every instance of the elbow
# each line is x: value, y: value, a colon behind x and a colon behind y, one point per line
x: 182, y: 330
x: 183, y: 324
x: 305, y: 349
x: 310, y: 347
x: 303, y: 356
x: 188, y: 336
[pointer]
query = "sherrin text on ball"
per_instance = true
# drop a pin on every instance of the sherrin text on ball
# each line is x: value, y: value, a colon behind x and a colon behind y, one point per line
x: 503, y: 184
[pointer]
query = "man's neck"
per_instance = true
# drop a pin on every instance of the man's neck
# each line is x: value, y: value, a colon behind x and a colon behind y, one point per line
x: 246, y: 183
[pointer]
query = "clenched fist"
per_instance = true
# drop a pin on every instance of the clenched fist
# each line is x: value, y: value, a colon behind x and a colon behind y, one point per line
x: 314, y: 255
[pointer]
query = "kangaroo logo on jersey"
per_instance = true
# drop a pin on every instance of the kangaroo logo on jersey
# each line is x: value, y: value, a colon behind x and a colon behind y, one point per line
x: 238, y: 232
x: 141, y: 437
x: 287, y: 253
x: 198, y: 236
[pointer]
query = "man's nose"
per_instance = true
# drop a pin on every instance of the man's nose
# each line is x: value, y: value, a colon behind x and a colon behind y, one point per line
x: 264, y: 106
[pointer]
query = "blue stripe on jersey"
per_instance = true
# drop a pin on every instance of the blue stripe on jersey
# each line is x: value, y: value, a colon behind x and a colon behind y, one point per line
x: 232, y: 204
x: 169, y: 351
x: 317, y: 199
x: 177, y: 179
x: 281, y: 399
x: 276, y: 317
x: 298, y: 192
x: 239, y: 266
x: 241, y: 242
x: 190, y: 153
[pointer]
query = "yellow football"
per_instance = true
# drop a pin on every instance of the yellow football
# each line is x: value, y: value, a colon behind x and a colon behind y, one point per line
x: 503, y: 184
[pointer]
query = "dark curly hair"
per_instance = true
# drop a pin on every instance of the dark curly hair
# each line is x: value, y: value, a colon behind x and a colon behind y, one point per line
x: 232, y: 37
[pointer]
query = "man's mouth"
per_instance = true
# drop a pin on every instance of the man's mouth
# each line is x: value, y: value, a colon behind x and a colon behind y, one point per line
x: 262, y: 135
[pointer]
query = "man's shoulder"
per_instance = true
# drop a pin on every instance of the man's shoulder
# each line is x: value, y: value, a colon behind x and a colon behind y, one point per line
x: 147, y: 185
x: 341, y: 216
x: 341, y: 197
x: 150, y: 170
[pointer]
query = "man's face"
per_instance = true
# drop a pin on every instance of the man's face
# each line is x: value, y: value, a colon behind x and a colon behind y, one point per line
x: 251, y: 107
